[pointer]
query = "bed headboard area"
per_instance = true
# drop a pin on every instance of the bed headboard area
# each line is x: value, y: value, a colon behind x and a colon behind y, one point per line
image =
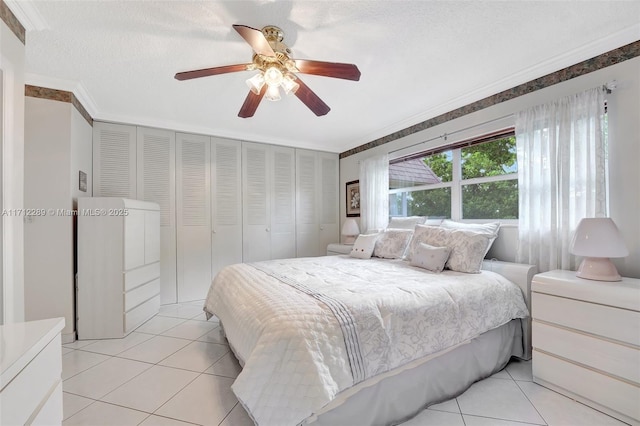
x: 521, y: 275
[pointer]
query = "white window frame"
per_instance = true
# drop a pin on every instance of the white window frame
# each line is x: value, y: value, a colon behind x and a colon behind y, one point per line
x: 456, y: 185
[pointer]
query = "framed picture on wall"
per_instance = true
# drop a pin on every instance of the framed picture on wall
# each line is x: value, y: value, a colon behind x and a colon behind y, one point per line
x: 353, y: 198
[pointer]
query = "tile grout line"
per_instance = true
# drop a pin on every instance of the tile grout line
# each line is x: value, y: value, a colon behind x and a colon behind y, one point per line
x: 531, y: 402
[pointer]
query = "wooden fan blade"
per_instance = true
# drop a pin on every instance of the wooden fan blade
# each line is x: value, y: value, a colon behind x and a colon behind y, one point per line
x: 187, y: 75
x: 251, y: 103
x: 256, y: 40
x: 311, y: 100
x: 329, y: 69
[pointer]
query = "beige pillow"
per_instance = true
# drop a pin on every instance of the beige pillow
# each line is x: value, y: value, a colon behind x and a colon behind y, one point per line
x: 392, y: 243
x: 468, y: 249
x: 490, y: 228
x: 364, y: 245
x: 430, y: 257
x: 432, y: 235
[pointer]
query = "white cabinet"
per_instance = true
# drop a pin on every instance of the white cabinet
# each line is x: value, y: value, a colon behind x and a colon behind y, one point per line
x: 30, y: 373
x: 193, y: 199
x: 118, y: 266
x: 226, y: 203
x: 586, y: 341
x: 316, y: 202
x: 268, y: 179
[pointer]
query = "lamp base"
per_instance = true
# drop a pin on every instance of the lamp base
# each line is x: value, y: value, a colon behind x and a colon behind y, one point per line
x: 349, y: 239
x: 598, y: 269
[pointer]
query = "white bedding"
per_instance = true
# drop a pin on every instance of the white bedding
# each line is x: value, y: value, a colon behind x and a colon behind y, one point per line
x: 307, y: 329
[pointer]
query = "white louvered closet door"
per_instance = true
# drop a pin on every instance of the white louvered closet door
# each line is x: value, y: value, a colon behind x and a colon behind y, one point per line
x: 328, y: 193
x: 114, y: 160
x: 193, y: 212
x: 256, y: 224
x: 155, y: 181
x: 226, y: 203
x: 307, y: 224
x: 283, y: 202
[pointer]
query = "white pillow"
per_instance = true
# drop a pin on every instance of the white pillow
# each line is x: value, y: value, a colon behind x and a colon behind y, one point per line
x: 432, y: 235
x: 430, y: 257
x: 468, y: 249
x: 406, y: 222
x: 490, y: 228
x: 392, y: 243
x: 364, y: 245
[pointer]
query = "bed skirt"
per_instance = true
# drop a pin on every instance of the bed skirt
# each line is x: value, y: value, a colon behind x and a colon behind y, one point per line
x: 399, y: 397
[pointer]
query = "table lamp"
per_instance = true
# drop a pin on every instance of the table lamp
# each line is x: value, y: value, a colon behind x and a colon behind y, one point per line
x: 598, y: 239
x: 350, y: 231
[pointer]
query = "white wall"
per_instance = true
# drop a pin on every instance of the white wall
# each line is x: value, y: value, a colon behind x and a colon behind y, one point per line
x: 57, y: 144
x: 81, y: 155
x: 624, y: 137
x: 12, y: 59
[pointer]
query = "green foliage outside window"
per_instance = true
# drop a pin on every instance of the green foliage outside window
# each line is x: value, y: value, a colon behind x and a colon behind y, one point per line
x: 488, y: 200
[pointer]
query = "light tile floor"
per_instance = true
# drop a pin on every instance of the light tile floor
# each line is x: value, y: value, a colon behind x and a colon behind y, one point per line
x: 176, y: 369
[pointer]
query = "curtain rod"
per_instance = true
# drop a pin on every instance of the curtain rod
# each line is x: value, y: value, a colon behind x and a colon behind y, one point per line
x: 445, y: 135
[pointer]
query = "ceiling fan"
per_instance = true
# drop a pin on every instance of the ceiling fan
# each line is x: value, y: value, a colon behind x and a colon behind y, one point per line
x: 277, y: 69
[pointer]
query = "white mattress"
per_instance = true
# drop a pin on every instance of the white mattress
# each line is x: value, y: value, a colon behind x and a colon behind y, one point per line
x: 307, y: 329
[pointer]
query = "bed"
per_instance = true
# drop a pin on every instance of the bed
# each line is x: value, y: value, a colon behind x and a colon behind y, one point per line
x: 340, y: 340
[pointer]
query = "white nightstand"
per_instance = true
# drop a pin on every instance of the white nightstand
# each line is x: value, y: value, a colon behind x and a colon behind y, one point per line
x: 336, y: 249
x: 586, y: 341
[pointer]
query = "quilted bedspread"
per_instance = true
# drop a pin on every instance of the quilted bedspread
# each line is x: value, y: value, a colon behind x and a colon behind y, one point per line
x: 309, y: 328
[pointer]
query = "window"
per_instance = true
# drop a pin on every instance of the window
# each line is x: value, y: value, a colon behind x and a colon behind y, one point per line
x: 476, y: 179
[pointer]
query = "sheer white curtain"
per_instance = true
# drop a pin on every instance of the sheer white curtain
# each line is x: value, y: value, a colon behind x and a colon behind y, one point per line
x: 374, y: 193
x: 562, y: 175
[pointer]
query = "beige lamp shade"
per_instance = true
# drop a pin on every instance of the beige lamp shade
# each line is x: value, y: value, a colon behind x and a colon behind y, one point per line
x: 350, y: 230
x: 598, y: 239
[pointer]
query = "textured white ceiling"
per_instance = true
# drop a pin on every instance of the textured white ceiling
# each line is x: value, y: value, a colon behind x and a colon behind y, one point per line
x: 418, y: 58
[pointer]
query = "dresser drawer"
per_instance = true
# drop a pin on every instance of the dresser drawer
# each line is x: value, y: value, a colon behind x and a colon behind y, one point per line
x: 140, y: 314
x: 33, y: 386
x: 141, y: 294
x: 51, y: 411
x: 619, y: 360
x: 599, y: 389
x: 606, y: 321
x: 136, y: 277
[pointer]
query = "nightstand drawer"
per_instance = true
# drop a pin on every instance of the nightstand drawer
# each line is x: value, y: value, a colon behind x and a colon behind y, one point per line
x: 600, y: 390
x: 335, y: 249
x: 618, y: 360
x: 606, y: 321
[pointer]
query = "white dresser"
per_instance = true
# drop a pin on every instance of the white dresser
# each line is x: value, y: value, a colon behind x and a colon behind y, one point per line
x: 30, y: 372
x: 118, y: 266
x: 586, y: 341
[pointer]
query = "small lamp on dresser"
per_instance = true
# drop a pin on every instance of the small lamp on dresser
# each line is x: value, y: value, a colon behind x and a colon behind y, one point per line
x: 598, y: 239
x: 350, y: 231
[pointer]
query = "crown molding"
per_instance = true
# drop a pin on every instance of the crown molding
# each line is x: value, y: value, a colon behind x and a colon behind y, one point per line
x: 28, y: 14
x: 78, y: 90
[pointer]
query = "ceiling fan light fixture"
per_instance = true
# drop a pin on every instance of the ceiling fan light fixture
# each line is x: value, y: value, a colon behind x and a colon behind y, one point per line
x: 273, y: 94
x: 273, y: 76
x: 256, y: 82
x: 289, y: 84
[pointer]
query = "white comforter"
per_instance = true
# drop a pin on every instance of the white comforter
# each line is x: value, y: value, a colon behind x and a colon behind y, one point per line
x: 307, y: 329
